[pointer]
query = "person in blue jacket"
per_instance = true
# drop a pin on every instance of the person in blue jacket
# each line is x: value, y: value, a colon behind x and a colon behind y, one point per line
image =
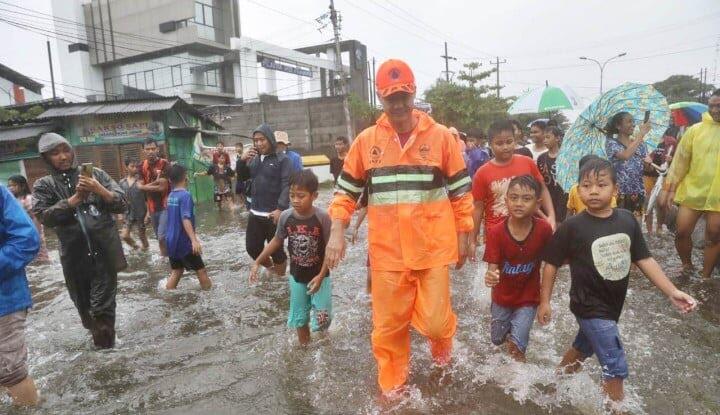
x: 270, y: 172
x: 283, y: 143
x: 19, y: 244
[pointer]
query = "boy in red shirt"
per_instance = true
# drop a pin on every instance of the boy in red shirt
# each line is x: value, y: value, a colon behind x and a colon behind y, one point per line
x: 491, y: 180
x: 513, y: 251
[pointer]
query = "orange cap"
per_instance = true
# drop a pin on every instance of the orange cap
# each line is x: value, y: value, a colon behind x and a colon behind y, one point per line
x: 394, y: 76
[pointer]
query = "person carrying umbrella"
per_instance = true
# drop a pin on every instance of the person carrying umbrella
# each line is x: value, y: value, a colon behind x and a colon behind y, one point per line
x: 628, y: 153
x: 693, y: 182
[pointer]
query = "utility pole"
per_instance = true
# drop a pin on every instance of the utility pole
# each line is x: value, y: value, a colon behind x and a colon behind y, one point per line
x: 52, y: 76
x: 340, y: 71
x: 702, y: 86
x: 497, y: 74
x: 447, y: 63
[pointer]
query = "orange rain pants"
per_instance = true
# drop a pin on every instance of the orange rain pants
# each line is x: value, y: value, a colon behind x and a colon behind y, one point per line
x: 402, y: 298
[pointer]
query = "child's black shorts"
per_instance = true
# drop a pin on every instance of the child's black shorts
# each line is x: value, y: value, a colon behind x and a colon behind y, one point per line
x: 190, y: 262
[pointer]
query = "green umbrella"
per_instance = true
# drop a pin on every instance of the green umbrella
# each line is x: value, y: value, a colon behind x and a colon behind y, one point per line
x: 545, y: 99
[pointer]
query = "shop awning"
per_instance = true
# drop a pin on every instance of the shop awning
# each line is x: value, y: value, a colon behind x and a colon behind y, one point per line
x: 24, y: 131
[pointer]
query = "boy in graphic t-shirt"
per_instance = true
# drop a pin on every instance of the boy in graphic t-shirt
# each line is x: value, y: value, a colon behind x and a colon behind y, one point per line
x: 512, y: 252
x: 491, y: 180
x: 600, y: 244
x: 307, y: 230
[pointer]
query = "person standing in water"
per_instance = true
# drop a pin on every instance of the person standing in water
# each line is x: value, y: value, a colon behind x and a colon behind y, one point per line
x: 419, y: 218
x: 537, y: 136
x: 137, y: 208
x: 693, y: 182
x: 342, y: 144
x: 155, y: 185
x: 600, y: 244
x: 546, y: 164
x: 270, y: 173
x: 184, y: 249
x: 80, y: 208
x: 19, y: 187
x: 19, y: 243
x: 307, y: 229
x: 628, y: 155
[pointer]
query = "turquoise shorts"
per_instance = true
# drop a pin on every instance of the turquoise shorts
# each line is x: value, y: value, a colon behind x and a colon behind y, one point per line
x: 302, y: 305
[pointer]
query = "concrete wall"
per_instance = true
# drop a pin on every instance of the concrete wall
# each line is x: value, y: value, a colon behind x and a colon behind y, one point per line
x: 312, y: 124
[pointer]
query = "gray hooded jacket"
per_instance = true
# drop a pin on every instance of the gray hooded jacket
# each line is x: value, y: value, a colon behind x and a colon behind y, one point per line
x: 270, y: 177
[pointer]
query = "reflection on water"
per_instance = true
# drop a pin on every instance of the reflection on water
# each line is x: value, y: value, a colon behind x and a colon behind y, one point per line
x: 228, y: 351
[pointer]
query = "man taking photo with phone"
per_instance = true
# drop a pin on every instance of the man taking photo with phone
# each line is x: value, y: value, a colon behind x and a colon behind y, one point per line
x: 80, y: 208
x: 270, y: 172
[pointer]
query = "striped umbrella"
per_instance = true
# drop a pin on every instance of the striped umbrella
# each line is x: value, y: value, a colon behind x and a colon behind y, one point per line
x: 687, y: 113
x: 587, y: 134
x: 546, y: 99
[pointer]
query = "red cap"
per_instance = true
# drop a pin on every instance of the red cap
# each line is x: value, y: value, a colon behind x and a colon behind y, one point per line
x: 394, y: 76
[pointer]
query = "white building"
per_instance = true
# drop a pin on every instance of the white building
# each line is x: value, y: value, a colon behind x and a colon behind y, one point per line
x: 187, y: 48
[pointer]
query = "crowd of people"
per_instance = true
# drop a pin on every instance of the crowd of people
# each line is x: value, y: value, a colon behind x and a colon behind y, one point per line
x: 431, y: 195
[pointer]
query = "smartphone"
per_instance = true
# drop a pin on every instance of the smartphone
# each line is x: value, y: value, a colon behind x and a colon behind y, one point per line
x: 86, y: 169
x: 647, y: 117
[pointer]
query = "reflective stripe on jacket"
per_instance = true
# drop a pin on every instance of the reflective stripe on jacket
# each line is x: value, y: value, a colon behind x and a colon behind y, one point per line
x: 419, y: 194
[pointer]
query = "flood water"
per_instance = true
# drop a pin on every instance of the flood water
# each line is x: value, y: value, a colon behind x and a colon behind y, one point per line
x: 228, y: 351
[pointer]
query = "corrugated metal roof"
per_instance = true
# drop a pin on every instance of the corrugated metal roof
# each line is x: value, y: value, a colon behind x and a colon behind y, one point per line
x: 109, y: 108
x: 25, y: 131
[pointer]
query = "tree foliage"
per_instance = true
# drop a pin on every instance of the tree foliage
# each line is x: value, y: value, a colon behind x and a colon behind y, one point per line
x: 363, y: 114
x: 682, y: 88
x: 11, y: 114
x: 465, y: 106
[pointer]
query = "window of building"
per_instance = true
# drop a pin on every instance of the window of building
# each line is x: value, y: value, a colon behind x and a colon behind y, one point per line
x: 131, y: 80
x: 176, y: 75
x: 149, y: 80
x: 211, y: 77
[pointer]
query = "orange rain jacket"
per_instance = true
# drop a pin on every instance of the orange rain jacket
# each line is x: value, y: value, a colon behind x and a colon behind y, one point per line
x: 418, y: 195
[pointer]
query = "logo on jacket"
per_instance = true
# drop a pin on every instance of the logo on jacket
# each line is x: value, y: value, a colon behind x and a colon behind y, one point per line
x: 424, y: 151
x: 375, y: 154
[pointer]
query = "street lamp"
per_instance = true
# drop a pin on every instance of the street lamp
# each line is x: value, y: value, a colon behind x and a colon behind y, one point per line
x: 602, y: 66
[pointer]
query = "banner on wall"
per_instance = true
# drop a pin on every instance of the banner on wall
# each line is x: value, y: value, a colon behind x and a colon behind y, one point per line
x: 112, y: 130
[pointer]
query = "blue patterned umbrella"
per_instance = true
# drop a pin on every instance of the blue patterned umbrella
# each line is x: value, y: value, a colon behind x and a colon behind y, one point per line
x: 587, y: 134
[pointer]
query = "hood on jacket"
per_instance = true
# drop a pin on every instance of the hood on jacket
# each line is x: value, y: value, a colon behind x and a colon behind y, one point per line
x: 268, y: 132
x: 48, y: 142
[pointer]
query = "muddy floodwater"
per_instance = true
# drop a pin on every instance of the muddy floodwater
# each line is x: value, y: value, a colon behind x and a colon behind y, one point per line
x: 228, y: 351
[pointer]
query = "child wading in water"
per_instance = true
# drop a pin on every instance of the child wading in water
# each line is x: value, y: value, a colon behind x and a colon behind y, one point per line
x: 183, y: 246
x: 600, y: 244
x: 546, y: 164
x: 575, y: 205
x: 307, y: 230
x: 512, y: 252
x: 137, y: 209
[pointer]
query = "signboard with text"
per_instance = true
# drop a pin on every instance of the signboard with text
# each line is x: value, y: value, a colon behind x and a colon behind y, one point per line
x: 278, y: 66
x: 126, y: 128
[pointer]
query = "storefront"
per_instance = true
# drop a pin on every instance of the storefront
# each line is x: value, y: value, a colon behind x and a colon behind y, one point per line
x: 18, y: 151
x: 107, y: 133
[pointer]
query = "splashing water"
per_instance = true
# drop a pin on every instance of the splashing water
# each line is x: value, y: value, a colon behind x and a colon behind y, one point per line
x: 228, y: 351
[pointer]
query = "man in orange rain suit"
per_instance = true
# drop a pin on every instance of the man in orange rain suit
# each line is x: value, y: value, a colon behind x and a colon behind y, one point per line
x: 419, y: 218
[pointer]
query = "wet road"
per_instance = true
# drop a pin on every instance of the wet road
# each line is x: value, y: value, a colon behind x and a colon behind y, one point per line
x: 228, y: 351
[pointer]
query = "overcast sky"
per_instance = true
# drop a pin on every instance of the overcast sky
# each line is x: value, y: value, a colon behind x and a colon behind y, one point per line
x: 540, y: 40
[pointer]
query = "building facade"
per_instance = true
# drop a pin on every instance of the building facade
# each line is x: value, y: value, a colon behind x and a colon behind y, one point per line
x: 192, y: 49
x: 106, y: 133
x: 17, y: 89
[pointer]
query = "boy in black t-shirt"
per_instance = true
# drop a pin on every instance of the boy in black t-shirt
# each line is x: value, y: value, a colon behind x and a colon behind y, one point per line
x: 307, y: 230
x: 600, y: 244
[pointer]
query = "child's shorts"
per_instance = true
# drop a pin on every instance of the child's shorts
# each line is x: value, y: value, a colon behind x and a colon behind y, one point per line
x: 190, y: 262
x: 13, y: 352
x: 602, y: 338
x: 512, y: 324
x: 303, y: 305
